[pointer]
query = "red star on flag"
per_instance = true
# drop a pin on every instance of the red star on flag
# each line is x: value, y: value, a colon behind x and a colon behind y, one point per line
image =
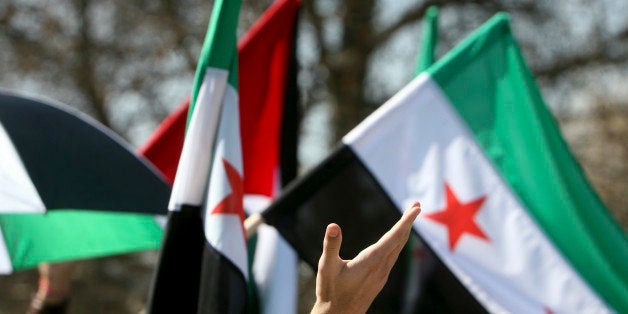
x: 232, y: 204
x: 458, y: 217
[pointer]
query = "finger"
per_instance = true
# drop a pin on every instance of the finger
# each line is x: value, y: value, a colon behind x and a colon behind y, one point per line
x: 332, y: 242
x: 409, y: 216
x: 394, y: 241
x: 397, y: 236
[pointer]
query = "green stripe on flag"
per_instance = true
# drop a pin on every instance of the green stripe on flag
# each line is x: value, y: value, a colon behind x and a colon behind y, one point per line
x: 429, y: 40
x: 232, y: 80
x: 62, y: 235
x: 518, y: 133
x: 219, y: 49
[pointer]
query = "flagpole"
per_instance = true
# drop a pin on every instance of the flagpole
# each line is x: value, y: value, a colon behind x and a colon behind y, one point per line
x: 252, y: 223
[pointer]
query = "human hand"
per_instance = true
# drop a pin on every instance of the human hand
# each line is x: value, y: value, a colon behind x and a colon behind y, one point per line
x: 350, y: 286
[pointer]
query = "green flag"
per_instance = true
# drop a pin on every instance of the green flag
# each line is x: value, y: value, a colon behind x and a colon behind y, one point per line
x: 429, y: 40
x: 505, y: 205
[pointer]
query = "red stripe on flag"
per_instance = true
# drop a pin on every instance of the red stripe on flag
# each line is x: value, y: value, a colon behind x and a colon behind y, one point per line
x: 264, y: 58
x: 163, y: 148
x: 263, y: 72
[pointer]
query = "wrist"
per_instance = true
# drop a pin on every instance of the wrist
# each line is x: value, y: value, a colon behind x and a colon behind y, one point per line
x: 321, y: 308
x: 329, y: 307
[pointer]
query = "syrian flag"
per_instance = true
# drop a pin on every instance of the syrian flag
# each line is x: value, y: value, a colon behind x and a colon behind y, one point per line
x: 505, y: 206
x: 70, y: 188
x: 203, y: 260
x: 269, y: 129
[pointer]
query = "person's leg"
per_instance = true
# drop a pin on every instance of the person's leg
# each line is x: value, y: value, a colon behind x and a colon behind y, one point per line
x: 55, y: 286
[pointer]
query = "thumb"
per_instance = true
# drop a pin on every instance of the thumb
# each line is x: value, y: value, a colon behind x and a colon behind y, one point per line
x: 332, y: 242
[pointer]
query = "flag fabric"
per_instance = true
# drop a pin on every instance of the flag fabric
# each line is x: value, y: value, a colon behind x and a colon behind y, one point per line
x: 163, y: 147
x: 70, y: 188
x: 269, y: 129
x: 505, y: 206
x: 429, y: 40
x: 419, y: 259
x: 203, y: 260
x: 269, y: 126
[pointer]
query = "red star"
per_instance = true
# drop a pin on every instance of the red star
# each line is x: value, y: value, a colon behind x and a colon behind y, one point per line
x: 458, y: 218
x: 232, y: 204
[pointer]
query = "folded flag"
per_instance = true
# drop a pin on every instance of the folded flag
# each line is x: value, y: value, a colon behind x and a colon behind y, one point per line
x: 70, y: 188
x: 203, y: 260
x: 269, y: 126
x: 269, y: 129
x: 505, y: 205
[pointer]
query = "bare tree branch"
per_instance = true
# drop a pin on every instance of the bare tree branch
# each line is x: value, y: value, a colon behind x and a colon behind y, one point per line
x: 180, y: 30
x: 416, y: 14
x: 84, y: 74
x: 564, y: 64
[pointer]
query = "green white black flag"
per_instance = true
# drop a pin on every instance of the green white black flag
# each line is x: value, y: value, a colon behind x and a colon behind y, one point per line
x: 505, y: 205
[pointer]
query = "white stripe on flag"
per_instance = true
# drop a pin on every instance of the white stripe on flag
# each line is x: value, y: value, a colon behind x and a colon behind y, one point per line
x: 231, y: 243
x: 414, y: 145
x: 275, y: 272
x: 191, y: 181
x: 274, y: 264
x: 17, y: 192
x: 5, y: 261
x: 225, y: 231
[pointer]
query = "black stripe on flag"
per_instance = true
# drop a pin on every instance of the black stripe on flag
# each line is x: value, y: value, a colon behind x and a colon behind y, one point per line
x: 291, y: 116
x: 191, y: 275
x: 175, y: 287
x: 223, y: 286
x: 75, y: 162
x: 342, y: 190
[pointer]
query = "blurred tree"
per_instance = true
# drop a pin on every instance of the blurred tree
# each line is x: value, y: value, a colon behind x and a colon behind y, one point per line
x: 357, y: 54
x: 126, y: 63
